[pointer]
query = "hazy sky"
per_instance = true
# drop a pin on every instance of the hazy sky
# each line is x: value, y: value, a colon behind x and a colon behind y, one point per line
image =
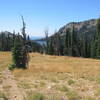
x: 41, y: 14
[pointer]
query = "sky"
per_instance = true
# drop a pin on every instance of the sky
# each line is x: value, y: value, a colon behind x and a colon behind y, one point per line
x: 40, y: 15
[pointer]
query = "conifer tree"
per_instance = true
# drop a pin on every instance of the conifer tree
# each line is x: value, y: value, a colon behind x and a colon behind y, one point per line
x: 97, y: 41
x: 17, y: 53
x: 58, y: 44
x: 51, y: 48
x: 93, y: 47
x: 29, y: 44
x: 13, y: 38
x: 2, y: 41
x: 47, y: 41
x: 20, y: 50
x: 67, y: 42
x: 74, y: 42
x: 25, y: 53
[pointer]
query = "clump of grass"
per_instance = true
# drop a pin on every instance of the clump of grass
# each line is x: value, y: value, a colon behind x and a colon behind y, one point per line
x: 24, y: 85
x: 54, y: 97
x: 0, y: 81
x: 1, y: 78
x: 3, y: 96
x: 70, y: 82
x: 35, y: 85
x: 54, y: 80
x: 7, y: 87
x: 42, y: 83
x: 97, y: 92
x: 11, y: 67
x: 73, y: 95
x: 89, y: 98
x: 34, y: 96
x: 98, y: 80
x: 44, y: 77
x: 63, y: 88
x: 91, y: 78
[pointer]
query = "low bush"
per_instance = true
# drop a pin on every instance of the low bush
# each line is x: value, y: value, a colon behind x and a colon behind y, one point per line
x: 73, y: 95
x: 70, y: 82
x: 63, y: 88
x: 3, y: 96
x: 35, y: 96
x: 11, y: 67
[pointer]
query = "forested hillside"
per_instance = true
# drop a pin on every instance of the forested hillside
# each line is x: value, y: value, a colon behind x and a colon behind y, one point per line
x: 78, y: 39
x: 7, y: 42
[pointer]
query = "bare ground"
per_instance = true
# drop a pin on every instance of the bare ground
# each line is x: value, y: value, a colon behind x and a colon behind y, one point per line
x: 9, y: 86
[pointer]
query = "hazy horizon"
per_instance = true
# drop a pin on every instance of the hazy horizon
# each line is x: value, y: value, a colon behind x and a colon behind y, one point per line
x: 42, y: 14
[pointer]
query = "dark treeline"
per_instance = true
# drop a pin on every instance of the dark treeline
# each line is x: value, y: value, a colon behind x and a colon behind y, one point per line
x: 74, y: 44
x: 7, y: 42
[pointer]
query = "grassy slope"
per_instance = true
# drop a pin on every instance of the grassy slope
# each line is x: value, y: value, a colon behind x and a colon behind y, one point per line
x: 5, y: 60
x: 58, y: 77
x: 79, y: 67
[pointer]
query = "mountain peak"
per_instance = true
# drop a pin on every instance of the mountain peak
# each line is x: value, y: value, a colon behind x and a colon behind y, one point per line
x: 81, y: 27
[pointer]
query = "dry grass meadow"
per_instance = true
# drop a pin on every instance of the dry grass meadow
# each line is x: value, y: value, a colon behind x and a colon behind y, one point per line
x: 56, y: 78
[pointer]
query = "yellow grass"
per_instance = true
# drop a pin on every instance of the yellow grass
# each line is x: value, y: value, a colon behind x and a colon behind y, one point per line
x: 57, y: 75
x: 5, y: 60
x: 79, y: 67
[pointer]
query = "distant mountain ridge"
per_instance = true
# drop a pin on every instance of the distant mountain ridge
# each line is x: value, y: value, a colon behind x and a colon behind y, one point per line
x: 84, y: 27
x: 87, y: 27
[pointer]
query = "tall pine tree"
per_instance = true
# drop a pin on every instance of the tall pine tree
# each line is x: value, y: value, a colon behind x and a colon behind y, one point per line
x: 25, y: 53
x: 17, y: 53
x: 20, y: 50
x: 97, y: 39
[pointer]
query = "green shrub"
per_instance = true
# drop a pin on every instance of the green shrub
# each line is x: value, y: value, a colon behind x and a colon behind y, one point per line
x: 73, y: 95
x: 35, y: 96
x: 54, y: 80
x: 63, y: 88
x: 11, y: 67
x: 42, y: 83
x: 24, y: 85
x: 2, y: 96
x: 54, y: 96
x: 70, y: 82
x: 98, y: 80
